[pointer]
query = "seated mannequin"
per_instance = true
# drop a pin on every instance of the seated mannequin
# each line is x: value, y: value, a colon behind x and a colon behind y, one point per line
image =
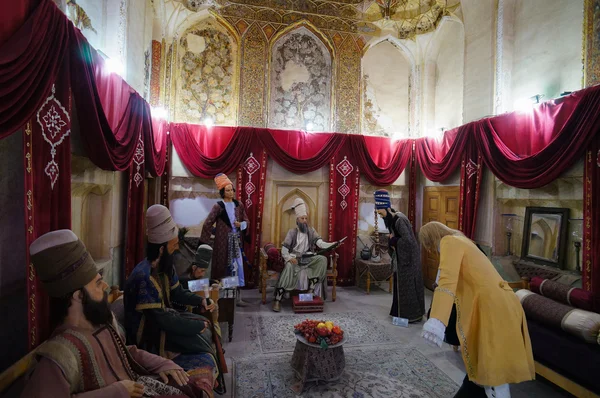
x: 303, y: 269
x: 199, y: 267
x: 151, y: 320
x: 86, y: 356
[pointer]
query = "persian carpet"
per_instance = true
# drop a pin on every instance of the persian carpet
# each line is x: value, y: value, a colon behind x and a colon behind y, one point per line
x: 276, y: 332
x: 371, y: 372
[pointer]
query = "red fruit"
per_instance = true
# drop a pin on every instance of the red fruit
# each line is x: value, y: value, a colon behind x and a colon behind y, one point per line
x: 323, y: 331
x: 312, y: 339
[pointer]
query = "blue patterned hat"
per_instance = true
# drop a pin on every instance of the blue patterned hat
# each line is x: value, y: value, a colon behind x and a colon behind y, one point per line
x: 382, y: 199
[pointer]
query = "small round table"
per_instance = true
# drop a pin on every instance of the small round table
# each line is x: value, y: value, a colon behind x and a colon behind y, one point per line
x: 313, y: 363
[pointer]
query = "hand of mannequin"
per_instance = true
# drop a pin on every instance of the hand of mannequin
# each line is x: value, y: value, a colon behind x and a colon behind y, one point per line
x: 433, y: 331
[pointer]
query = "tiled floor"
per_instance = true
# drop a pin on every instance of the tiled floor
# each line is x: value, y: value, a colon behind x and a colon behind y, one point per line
x: 378, y: 302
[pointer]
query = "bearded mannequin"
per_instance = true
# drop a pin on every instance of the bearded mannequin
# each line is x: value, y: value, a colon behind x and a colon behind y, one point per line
x: 152, y: 320
x: 301, y: 272
x: 70, y: 362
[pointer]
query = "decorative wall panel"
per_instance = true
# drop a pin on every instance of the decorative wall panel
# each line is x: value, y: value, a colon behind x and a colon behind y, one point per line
x: 347, y: 118
x: 207, y: 75
x: 300, y: 82
x: 591, y: 36
x: 252, y: 83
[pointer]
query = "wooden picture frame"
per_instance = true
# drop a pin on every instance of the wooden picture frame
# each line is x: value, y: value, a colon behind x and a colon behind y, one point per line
x: 534, y: 218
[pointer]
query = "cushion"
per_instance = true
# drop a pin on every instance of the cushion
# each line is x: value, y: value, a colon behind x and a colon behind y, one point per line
x: 575, y: 297
x: 582, y: 324
x: 316, y: 305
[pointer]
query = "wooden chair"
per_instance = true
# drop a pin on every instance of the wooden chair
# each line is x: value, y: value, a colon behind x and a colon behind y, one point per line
x: 269, y: 278
x: 22, y: 366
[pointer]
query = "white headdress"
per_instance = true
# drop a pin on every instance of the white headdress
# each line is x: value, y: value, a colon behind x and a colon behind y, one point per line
x: 299, y: 207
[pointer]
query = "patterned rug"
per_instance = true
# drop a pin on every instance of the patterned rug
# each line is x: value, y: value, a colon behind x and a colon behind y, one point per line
x: 276, y: 332
x: 370, y: 373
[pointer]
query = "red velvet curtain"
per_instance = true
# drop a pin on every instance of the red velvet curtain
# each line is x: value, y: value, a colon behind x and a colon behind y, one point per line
x: 531, y: 150
x: 134, y: 246
x: 299, y: 151
x: 412, y: 189
x: 150, y: 156
x: 438, y: 159
x: 30, y: 60
x: 251, y: 179
x: 113, y: 114
x: 381, y: 160
x: 14, y: 14
x: 155, y: 135
x: 205, y: 152
x: 344, y: 186
x: 590, y: 269
x: 164, y: 181
x: 47, y: 149
x: 471, y: 170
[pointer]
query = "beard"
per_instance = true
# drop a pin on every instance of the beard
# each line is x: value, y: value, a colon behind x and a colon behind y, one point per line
x: 166, y: 263
x: 97, y: 312
x: 302, y: 226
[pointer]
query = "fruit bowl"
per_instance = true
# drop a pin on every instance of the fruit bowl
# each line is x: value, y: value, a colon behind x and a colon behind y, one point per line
x: 319, y: 333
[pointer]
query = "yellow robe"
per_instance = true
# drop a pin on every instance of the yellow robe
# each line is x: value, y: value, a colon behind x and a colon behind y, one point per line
x: 491, y: 324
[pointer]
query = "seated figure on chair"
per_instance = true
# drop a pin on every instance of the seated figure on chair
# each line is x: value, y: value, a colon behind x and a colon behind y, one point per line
x: 86, y: 356
x: 304, y: 270
x: 151, y: 320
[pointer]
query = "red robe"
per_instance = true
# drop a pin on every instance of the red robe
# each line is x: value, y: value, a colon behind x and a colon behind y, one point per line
x: 218, y: 215
x: 101, y: 361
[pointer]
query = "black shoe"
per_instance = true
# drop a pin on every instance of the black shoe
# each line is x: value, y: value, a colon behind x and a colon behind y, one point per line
x: 468, y: 389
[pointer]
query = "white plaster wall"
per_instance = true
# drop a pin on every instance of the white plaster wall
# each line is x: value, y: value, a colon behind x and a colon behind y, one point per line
x: 547, y: 48
x: 450, y: 75
x: 385, y: 95
x: 139, y: 37
x: 95, y: 10
x: 479, y: 23
x: 106, y: 18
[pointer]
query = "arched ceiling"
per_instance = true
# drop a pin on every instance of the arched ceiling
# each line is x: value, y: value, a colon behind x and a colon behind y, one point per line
x: 406, y: 18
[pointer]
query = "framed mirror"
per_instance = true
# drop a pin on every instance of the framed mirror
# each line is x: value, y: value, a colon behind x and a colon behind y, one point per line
x: 545, y: 235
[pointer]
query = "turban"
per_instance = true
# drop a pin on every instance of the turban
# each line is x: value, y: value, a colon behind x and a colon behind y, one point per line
x: 382, y: 200
x: 299, y: 207
x: 62, y: 262
x: 203, y: 256
x: 222, y: 181
x: 160, y: 226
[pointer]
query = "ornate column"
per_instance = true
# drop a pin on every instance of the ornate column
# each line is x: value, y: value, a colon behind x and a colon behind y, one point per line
x: 347, y: 87
x: 252, y: 78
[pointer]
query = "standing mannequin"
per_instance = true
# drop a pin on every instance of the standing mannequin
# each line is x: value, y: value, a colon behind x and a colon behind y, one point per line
x: 409, y: 294
x: 231, y: 222
x: 491, y: 323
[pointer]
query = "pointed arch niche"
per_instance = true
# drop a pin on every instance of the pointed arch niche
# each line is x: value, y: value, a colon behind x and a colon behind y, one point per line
x: 300, y: 81
x: 444, y: 77
x: 386, y: 82
x: 207, y: 74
